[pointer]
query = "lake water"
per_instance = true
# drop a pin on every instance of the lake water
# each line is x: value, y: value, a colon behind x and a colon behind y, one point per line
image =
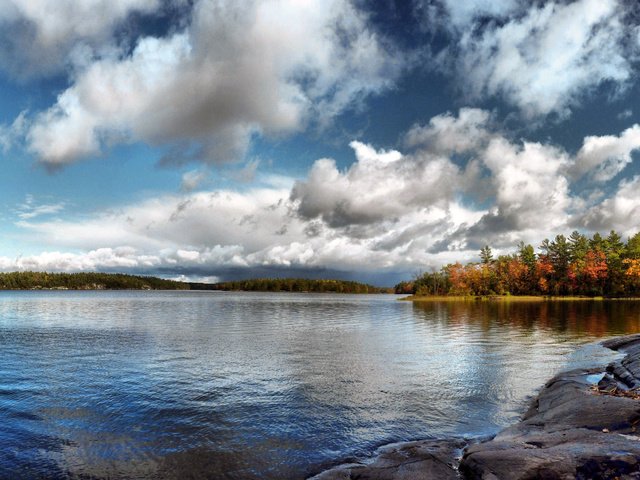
x: 252, y: 385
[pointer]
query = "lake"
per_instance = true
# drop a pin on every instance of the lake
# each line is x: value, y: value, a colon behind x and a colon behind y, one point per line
x: 264, y: 385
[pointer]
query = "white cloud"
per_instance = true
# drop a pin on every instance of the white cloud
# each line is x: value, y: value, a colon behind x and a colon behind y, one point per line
x: 238, y: 69
x: 462, y: 14
x: 547, y: 58
x: 12, y: 134
x: 39, y: 36
x: 606, y: 156
x: 32, y: 209
x: 530, y: 183
x: 380, y: 186
x: 625, y: 114
x: 452, y: 134
x: 387, y: 211
x: 193, y: 179
x: 619, y: 212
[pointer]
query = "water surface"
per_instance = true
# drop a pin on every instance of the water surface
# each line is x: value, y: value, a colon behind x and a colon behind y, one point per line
x: 251, y: 385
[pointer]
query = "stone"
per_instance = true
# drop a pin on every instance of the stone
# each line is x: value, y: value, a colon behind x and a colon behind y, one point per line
x: 421, y: 460
x: 571, y: 431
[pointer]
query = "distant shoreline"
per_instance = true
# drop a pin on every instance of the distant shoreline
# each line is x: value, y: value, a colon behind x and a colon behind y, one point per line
x: 45, y: 281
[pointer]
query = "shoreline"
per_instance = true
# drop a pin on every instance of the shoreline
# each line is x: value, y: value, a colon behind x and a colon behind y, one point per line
x: 511, y: 298
x: 583, y: 423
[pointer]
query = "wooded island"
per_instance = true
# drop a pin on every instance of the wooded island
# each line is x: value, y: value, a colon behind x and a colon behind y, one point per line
x: 578, y: 265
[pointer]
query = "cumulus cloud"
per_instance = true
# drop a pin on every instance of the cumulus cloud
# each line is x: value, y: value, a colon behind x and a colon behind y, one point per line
x: 378, y: 186
x: 452, y: 134
x: 606, y: 156
x: 529, y: 182
x: 40, y: 36
x: 531, y: 196
x: 542, y: 58
x: 388, y: 211
x: 237, y: 70
x: 619, y: 212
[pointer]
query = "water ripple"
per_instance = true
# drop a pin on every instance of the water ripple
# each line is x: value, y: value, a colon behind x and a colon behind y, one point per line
x: 241, y: 386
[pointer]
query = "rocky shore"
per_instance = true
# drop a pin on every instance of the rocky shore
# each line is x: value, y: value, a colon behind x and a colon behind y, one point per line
x: 583, y: 424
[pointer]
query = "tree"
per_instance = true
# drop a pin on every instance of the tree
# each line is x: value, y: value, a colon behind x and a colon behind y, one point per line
x: 597, y: 242
x: 578, y: 246
x: 458, y: 279
x: 632, y: 274
x: 614, y: 250
x: 594, y: 272
x: 527, y: 256
x: 632, y: 249
x: 485, y: 254
x: 559, y: 255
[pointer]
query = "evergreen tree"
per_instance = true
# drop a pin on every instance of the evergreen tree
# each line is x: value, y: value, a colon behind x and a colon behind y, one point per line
x: 486, y: 256
x: 579, y: 245
x: 614, y: 251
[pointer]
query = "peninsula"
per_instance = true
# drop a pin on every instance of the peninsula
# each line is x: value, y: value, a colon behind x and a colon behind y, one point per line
x: 576, y: 266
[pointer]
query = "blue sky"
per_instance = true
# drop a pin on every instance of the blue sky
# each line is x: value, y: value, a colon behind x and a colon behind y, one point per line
x: 365, y: 140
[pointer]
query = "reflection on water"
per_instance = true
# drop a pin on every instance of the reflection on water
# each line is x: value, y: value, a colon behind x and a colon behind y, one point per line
x: 567, y: 318
x: 248, y: 385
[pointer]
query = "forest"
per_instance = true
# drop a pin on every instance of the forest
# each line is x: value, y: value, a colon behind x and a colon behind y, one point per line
x: 84, y: 281
x: 299, y: 285
x: 119, y: 281
x: 577, y: 265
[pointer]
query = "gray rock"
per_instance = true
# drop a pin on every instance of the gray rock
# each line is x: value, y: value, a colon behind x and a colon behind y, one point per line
x: 570, y: 431
x: 422, y: 460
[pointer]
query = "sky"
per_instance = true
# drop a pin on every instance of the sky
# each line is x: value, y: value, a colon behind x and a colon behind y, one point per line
x: 368, y: 140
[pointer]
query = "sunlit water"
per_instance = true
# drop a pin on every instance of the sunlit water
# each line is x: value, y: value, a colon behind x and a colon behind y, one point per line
x: 247, y: 385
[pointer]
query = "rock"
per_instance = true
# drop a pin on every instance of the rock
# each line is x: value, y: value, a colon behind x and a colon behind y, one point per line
x: 570, y: 431
x: 421, y: 460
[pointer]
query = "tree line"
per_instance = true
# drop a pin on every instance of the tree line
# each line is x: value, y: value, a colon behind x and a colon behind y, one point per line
x: 577, y: 265
x: 118, y: 281
x: 85, y: 281
x: 298, y: 285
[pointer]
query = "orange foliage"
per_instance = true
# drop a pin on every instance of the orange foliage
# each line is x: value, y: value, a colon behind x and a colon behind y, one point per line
x: 595, y: 265
x: 458, y: 279
x: 633, y: 267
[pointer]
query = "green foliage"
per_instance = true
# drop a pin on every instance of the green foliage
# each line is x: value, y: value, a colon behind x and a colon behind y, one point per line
x: 565, y: 266
x: 632, y: 249
x: 118, y: 281
x: 84, y: 281
x: 578, y: 246
x: 485, y: 254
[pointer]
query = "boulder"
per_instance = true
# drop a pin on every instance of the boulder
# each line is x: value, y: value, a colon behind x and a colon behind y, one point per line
x: 426, y: 459
x: 573, y: 428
